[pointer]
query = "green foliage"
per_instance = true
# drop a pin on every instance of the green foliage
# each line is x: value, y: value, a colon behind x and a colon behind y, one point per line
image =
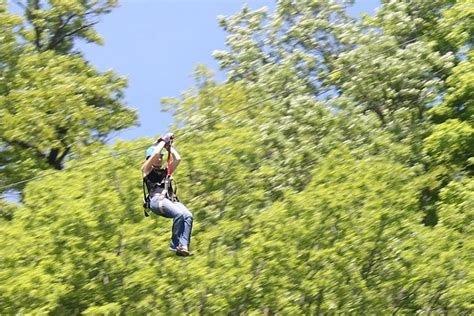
x: 7, y: 40
x: 361, y: 202
x: 55, y: 24
x: 409, y: 86
x: 350, y: 242
x: 7, y: 210
x: 408, y: 19
x: 53, y: 104
x: 460, y: 90
x: 457, y: 24
x: 451, y: 142
x: 75, y: 226
x: 289, y: 50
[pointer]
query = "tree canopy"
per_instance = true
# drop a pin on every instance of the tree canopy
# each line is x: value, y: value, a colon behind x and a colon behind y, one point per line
x: 330, y: 173
x: 53, y: 103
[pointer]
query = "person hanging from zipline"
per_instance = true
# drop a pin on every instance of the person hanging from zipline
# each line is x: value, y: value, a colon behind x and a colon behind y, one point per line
x: 161, y: 198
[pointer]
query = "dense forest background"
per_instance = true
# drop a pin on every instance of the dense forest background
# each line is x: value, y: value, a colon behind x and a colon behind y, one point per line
x: 330, y: 173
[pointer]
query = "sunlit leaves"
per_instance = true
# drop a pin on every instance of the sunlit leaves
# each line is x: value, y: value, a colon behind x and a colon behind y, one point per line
x: 54, y: 25
x: 52, y: 102
x: 303, y: 204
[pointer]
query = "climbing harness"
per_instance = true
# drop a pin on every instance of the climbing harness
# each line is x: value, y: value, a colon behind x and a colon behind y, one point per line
x: 167, y: 183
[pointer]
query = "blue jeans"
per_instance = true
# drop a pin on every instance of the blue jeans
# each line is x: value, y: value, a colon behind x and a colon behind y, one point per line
x: 182, y: 219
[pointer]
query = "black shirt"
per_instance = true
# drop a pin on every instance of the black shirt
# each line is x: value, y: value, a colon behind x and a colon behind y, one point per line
x: 155, y: 181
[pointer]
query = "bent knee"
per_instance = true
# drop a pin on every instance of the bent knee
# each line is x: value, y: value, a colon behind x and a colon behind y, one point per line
x: 187, y: 214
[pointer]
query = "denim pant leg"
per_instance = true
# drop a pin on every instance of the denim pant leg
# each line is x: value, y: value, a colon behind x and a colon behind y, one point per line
x: 185, y: 239
x: 169, y: 210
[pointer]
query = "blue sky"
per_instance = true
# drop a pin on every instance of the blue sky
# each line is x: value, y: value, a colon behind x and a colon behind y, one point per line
x: 157, y: 43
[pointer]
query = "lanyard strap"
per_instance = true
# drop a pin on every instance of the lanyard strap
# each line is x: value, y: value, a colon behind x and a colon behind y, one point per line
x: 168, y: 172
x: 168, y: 167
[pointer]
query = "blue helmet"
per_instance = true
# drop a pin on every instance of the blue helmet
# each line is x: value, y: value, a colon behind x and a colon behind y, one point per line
x: 149, y: 152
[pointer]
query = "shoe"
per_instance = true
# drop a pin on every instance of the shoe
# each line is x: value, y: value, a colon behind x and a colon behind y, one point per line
x: 172, y: 249
x: 182, y: 250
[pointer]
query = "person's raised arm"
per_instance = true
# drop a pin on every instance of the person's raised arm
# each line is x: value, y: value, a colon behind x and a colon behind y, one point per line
x: 176, y: 159
x: 154, y: 158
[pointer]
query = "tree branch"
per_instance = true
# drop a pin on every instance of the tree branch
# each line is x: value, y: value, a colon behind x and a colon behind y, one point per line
x: 55, y: 38
x: 64, y: 154
x: 30, y: 16
x: 25, y: 145
x: 51, y: 46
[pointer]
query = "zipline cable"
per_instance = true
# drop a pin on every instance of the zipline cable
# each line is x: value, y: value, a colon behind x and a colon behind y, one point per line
x: 209, y: 121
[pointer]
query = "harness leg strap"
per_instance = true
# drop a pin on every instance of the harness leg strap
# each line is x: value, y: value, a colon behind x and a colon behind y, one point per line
x: 160, y: 203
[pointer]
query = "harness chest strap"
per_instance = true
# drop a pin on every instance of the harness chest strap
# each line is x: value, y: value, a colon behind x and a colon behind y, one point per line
x: 146, y: 199
x: 164, y: 193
